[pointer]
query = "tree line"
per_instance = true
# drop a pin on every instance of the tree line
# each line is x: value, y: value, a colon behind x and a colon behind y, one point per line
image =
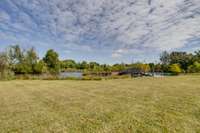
x: 15, y: 60
x: 180, y: 62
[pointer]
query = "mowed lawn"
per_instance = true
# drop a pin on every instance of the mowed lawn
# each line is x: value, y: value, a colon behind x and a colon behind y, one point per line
x: 165, y: 105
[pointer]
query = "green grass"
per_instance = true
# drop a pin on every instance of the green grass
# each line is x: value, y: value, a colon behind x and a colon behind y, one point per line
x: 165, y: 105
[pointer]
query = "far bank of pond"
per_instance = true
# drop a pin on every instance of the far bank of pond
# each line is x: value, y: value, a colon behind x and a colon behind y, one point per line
x: 79, y: 74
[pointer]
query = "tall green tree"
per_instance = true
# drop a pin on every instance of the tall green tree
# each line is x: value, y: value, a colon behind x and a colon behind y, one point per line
x: 17, y: 60
x: 31, y: 60
x: 181, y: 58
x: 5, y: 71
x: 52, y: 61
x: 3, y: 61
x: 3, y: 64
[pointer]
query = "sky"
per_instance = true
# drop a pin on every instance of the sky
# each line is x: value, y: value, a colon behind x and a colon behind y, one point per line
x: 106, y: 31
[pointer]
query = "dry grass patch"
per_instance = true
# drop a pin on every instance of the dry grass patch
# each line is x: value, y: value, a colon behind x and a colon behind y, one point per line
x: 170, y: 104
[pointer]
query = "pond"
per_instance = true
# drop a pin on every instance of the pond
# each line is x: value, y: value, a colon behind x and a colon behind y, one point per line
x: 71, y: 75
x: 160, y: 74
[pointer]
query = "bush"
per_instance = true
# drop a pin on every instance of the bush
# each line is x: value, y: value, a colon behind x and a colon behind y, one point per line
x: 40, y: 67
x: 195, y: 68
x: 7, y: 75
x: 175, y: 69
x: 22, y: 68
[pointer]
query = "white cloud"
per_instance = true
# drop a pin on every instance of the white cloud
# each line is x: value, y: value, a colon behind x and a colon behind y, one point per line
x: 4, y: 17
x: 127, y: 26
x: 118, y: 53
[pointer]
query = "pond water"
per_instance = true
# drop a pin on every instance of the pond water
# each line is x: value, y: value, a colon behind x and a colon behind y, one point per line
x: 71, y: 75
x: 159, y: 74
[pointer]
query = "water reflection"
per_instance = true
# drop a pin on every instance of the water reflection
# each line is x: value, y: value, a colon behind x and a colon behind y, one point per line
x: 71, y: 75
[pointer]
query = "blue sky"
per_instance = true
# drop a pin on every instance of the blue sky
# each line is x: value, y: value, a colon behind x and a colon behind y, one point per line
x: 107, y: 31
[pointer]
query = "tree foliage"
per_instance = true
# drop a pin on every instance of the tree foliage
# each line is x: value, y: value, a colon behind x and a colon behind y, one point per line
x: 142, y: 67
x: 24, y: 61
x: 5, y: 72
x: 165, y: 58
x: 52, y: 61
x: 68, y: 64
x: 186, y: 61
x: 40, y: 67
x: 3, y: 64
x: 27, y: 61
x: 175, y: 69
x: 194, y: 68
x: 181, y: 58
x: 31, y: 59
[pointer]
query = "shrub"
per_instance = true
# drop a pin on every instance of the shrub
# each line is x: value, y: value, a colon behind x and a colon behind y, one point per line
x: 40, y: 67
x: 195, y: 68
x: 175, y: 69
x: 7, y: 75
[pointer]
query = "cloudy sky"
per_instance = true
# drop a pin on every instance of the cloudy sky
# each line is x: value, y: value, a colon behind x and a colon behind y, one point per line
x: 106, y: 31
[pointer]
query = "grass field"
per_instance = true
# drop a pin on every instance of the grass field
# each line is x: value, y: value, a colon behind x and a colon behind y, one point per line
x: 152, y: 105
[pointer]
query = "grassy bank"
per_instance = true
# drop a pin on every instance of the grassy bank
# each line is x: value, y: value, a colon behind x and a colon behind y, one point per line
x: 56, y: 77
x: 170, y: 104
